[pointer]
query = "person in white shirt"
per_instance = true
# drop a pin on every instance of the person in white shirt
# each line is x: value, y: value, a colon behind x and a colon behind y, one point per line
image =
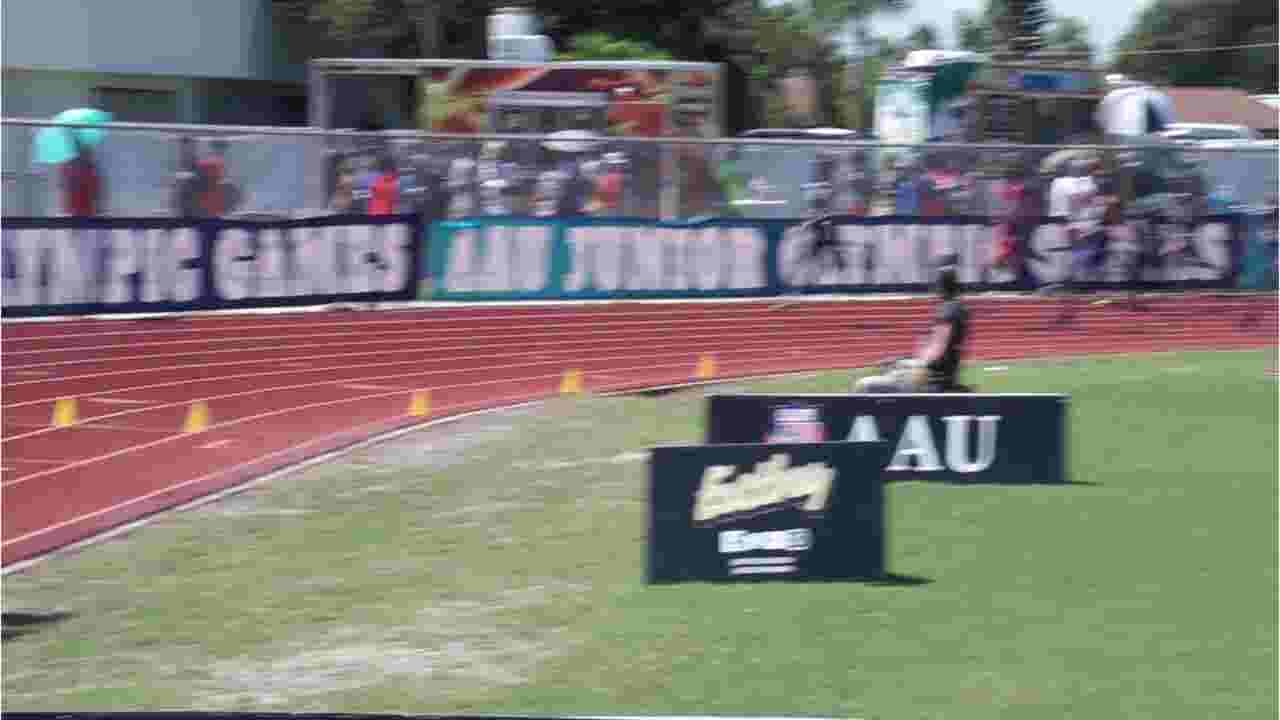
x: 1060, y: 192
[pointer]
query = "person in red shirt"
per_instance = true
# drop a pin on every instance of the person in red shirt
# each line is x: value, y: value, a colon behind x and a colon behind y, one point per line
x: 212, y: 171
x: 384, y: 193
x: 81, y: 185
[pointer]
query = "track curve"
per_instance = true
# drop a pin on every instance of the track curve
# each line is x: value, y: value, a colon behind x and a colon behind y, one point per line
x: 106, y: 421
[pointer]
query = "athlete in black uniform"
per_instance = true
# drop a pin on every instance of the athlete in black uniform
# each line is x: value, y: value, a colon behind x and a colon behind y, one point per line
x: 936, y: 368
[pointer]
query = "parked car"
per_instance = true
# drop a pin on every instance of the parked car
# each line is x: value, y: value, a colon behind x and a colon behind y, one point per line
x: 1202, y: 132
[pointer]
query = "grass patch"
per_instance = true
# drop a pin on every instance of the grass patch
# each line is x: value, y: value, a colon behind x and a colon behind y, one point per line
x: 496, y: 565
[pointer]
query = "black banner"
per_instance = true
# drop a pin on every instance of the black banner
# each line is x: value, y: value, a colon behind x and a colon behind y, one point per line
x: 80, y: 266
x: 762, y: 512
x: 1000, y: 439
x: 890, y: 253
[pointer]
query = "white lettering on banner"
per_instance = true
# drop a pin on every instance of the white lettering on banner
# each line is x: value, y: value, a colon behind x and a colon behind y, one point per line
x: 704, y: 259
x: 271, y: 268
x: 644, y: 260
x: 534, y: 253
x: 749, y: 254
x: 23, y: 249
x: 579, y: 240
x: 61, y: 262
x: 495, y: 263
x: 664, y: 258
x: 792, y: 252
x: 743, y: 541
x: 772, y: 484
x: 877, y: 254
x: 854, y: 241
x: 916, y: 444
x: 864, y: 430
x: 1049, y: 260
x: 958, y: 442
x: 127, y: 261
x: 461, y: 248
x: 360, y: 260
x: 155, y: 256
x: 498, y: 258
x: 606, y: 268
x: 232, y: 274
x: 673, y: 244
x: 317, y: 262
x: 1211, y: 243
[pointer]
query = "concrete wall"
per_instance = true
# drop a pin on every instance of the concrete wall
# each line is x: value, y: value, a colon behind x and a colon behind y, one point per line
x: 232, y: 39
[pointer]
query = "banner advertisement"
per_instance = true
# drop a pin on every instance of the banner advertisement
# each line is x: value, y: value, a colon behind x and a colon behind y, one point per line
x: 590, y: 258
x: 78, y: 266
x: 989, y: 439
x: 513, y: 258
x: 766, y: 512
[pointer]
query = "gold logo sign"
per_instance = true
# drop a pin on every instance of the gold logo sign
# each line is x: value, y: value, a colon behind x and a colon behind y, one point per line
x: 772, y: 485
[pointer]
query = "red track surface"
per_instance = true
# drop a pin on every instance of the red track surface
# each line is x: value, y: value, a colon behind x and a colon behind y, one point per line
x: 281, y: 388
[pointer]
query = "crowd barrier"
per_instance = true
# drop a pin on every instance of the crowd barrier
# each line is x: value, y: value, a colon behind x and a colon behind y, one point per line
x: 59, y: 266
x: 72, y: 266
x: 594, y: 258
x: 145, y: 170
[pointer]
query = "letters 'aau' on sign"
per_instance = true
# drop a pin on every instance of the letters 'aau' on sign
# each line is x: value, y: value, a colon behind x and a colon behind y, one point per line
x: 1003, y: 439
x: 766, y: 512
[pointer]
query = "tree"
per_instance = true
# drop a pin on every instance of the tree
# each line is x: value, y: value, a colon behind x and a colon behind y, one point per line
x: 848, y: 20
x: 1069, y: 34
x: 1024, y: 23
x: 788, y: 39
x: 923, y: 37
x: 973, y: 33
x: 602, y: 46
x: 1181, y: 25
x: 1020, y: 24
x: 383, y: 28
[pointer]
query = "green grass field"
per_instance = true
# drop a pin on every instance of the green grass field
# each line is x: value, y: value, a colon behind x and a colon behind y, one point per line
x: 496, y: 565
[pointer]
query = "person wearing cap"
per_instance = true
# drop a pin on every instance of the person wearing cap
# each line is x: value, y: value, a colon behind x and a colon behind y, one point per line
x: 936, y: 367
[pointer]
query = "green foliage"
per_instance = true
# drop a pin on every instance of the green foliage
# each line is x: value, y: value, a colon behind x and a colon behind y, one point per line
x: 786, y: 39
x: 1002, y: 22
x: 603, y: 46
x: 924, y: 37
x: 1181, y: 25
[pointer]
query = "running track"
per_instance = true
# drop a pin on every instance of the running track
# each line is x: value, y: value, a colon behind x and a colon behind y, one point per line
x: 280, y: 388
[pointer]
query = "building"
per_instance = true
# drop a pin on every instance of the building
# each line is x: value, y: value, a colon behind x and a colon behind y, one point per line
x: 183, y: 61
x: 1225, y: 106
x: 151, y: 61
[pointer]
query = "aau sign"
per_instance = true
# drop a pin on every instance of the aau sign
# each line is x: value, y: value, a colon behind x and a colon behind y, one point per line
x: 1008, y: 439
x: 917, y: 449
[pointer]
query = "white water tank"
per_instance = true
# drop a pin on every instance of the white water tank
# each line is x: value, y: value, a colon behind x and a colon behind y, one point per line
x: 513, y: 34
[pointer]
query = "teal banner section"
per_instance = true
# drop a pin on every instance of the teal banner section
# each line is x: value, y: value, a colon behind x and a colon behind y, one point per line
x: 512, y: 258
x: 591, y: 258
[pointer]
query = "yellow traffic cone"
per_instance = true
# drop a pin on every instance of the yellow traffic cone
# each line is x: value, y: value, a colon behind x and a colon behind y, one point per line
x: 706, y: 367
x: 420, y: 404
x: 571, y: 383
x: 65, y: 412
x: 197, y: 418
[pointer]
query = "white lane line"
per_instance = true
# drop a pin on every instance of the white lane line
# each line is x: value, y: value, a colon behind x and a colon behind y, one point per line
x: 375, y: 388
x: 216, y: 444
x: 120, y: 401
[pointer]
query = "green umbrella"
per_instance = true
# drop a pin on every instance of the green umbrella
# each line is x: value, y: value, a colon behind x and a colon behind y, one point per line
x: 55, y: 145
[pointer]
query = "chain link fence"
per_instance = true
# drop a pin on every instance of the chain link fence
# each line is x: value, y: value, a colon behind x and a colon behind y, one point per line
x: 152, y: 170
